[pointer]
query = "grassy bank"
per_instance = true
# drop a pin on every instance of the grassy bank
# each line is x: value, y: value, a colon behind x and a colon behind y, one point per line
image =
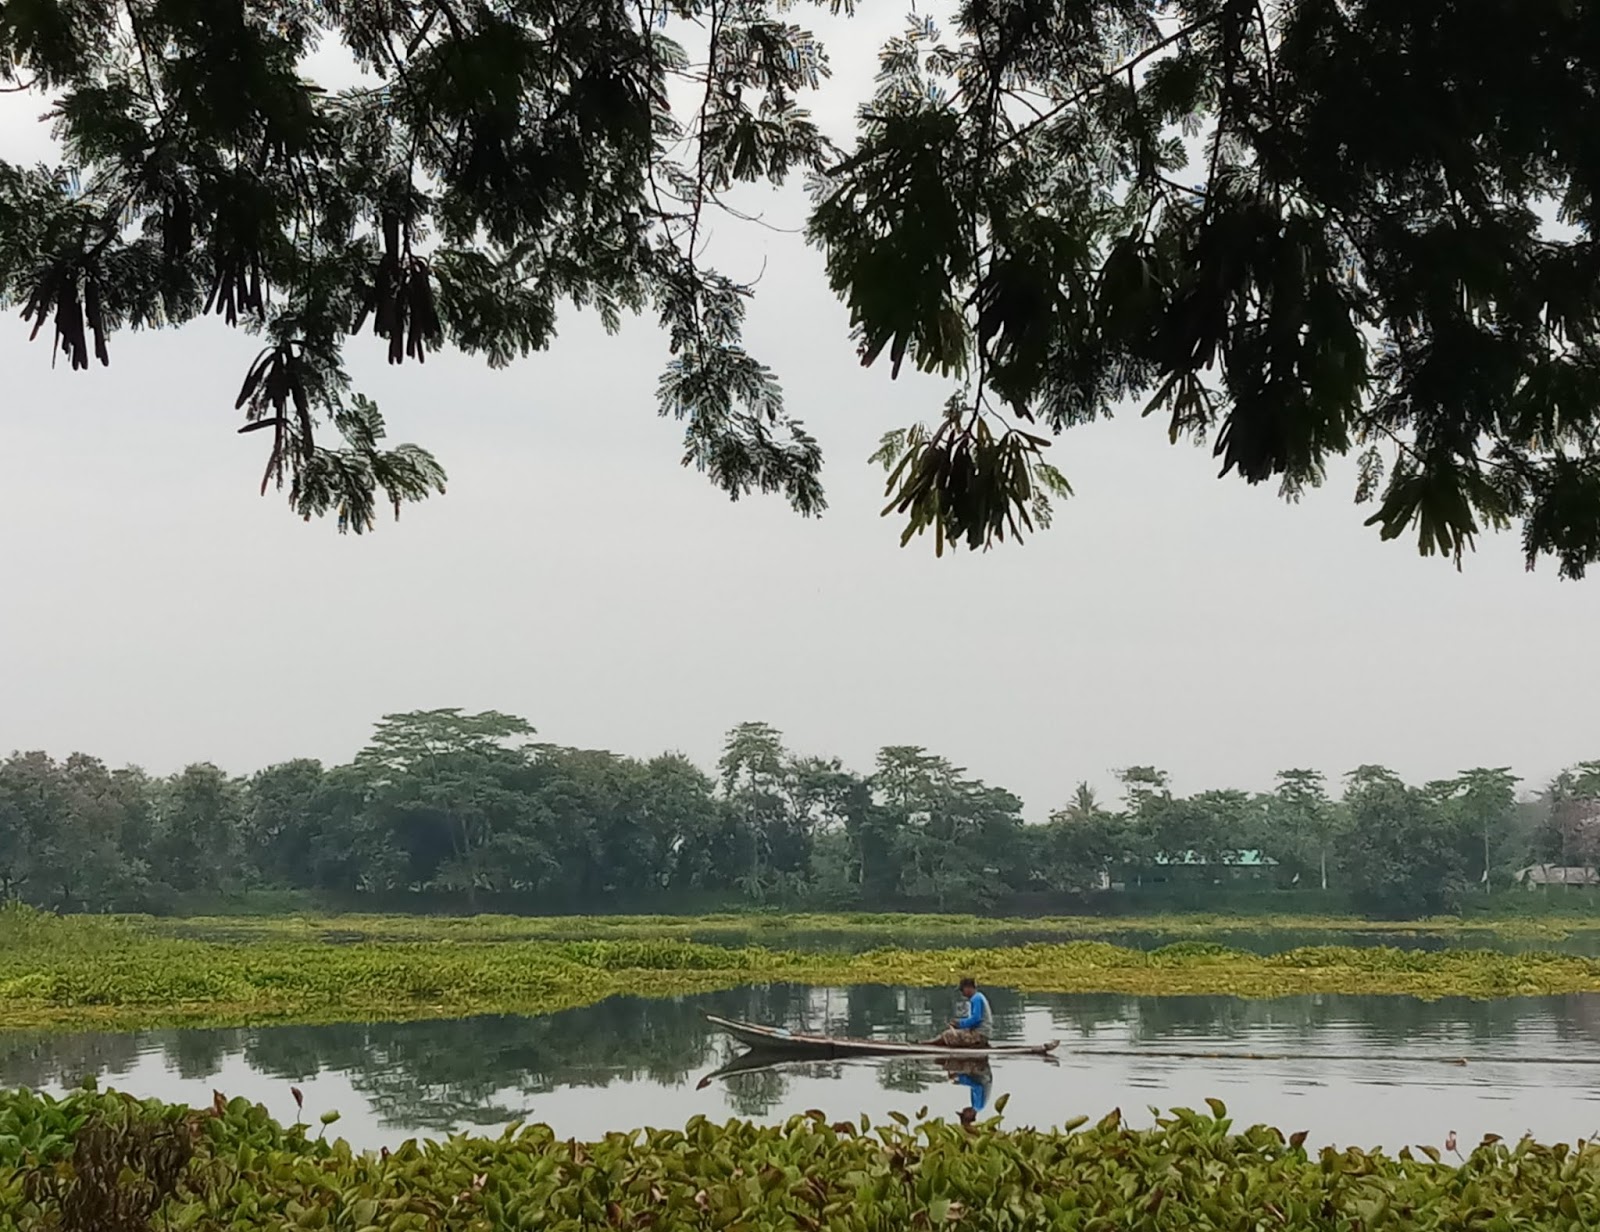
x: 85, y: 972
x: 231, y: 1166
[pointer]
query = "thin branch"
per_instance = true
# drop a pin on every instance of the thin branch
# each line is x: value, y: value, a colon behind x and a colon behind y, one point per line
x: 995, y: 68
x: 422, y: 30
x: 144, y: 62
x: 1183, y: 188
x: 1272, y: 91
x: 705, y: 109
x: 1225, y: 92
x: 110, y: 225
x: 452, y: 19
x: 401, y: 71
x: 646, y: 24
x: 757, y: 219
x: 1266, y: 52
x: 1106, y: 79
x: 1018, y: 96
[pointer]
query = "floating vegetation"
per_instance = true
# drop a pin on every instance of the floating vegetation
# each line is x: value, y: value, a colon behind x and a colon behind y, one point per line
x: 758, y: 925
x: 232, y: 1166
x: 79, y: 972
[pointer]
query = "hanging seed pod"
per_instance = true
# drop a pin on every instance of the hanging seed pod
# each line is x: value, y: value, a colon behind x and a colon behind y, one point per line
x: 397, y: 331
x: 302, y: 409
x: 220, y: 297
x: 177, y: 228
x: 274, y: 469
x: 390, y: 224
x: 97, y: 321
x: 236, y: 287
x: 276, y: 388
x: 388, y: 305
x: 275, y: 380
x: 69, y: 325
x: 369, y: 304
x: 425, y: 328
x: 43, y: 299
x: 252, y: 378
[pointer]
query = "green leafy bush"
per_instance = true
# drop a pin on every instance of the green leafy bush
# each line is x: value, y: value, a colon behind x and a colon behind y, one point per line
x: 1192, y: 1170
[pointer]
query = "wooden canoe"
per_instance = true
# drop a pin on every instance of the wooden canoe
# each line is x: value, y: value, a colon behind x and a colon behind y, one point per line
x: 795, y: 1043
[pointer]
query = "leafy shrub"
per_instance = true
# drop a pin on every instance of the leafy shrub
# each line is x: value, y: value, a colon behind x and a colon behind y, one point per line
x: 1192, y: 1170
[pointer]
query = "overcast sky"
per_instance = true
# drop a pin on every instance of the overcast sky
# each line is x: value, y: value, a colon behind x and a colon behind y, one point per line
x: 154, y: 610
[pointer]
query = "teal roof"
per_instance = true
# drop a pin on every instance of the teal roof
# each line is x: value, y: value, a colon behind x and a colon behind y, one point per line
x: 1241, y: 859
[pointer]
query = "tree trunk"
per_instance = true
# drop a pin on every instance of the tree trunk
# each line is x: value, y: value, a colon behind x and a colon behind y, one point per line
x: 469, y: 862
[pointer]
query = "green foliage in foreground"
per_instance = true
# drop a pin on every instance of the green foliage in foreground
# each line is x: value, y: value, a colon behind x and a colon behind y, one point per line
x: 75, y: 972
x: 231, y: 1166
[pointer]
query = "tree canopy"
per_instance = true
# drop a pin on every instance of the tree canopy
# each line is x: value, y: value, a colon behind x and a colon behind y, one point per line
x: 453, y: 809
x: 1293, y: 229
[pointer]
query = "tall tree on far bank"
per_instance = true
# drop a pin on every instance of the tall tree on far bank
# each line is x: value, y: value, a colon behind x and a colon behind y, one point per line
x: 679, y: 804
x: 282, y: 821
x: 1484, y: 802
x: 74, y: 835
x: 199, y: 831
x: 440, y: 779
x: 752, y: 770
x: 1302, y: 823
x: 1083, y: 843
x: 1401, y: 850
x: 1573, y: 826
x: 948, y: 836
x: 108, y: 811
x: 1146, y: 801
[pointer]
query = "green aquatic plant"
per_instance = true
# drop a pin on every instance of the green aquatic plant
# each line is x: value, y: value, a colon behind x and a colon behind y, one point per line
x: 753, y: 926
x: 1189, y: 1170
x: 64, y: 973
x: 127, y: 1164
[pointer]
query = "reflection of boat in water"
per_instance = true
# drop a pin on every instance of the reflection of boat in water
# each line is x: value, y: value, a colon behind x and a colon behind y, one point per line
x: 968, y: 1071
x: 772, y: 1048
x: 752, y: 1063
x: 803, y: 1044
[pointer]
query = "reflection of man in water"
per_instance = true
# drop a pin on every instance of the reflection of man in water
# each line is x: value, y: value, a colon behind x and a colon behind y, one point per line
x: 976, y: 1076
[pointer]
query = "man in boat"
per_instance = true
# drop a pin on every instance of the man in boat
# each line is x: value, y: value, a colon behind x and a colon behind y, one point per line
x: 973, y: 1030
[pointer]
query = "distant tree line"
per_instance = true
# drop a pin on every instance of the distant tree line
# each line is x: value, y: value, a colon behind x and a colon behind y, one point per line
x: 471, y: 809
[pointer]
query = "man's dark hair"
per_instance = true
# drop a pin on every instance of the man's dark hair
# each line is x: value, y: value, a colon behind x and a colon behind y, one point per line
x: 968, y: 982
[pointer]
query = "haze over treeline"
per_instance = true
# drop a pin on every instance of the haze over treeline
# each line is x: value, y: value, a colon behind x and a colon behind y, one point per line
x: 445, y: 808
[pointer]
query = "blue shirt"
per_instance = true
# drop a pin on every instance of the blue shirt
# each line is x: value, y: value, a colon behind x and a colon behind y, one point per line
x: 977, y: 1018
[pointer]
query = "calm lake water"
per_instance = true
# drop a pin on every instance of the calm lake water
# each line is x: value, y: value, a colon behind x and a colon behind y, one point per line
x: 1367, y: 1071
